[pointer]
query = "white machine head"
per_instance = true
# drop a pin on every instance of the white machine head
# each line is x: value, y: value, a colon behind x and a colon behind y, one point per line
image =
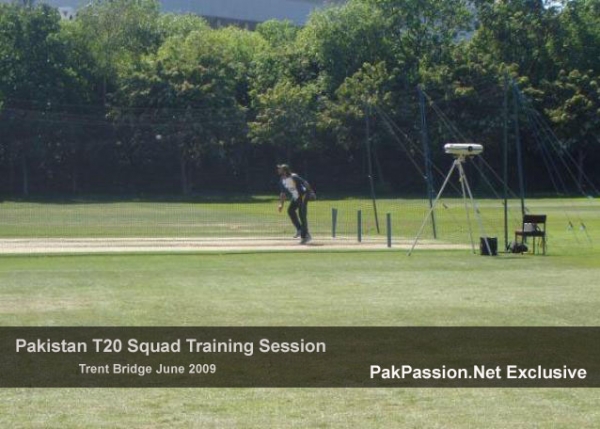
x: 463, y: 149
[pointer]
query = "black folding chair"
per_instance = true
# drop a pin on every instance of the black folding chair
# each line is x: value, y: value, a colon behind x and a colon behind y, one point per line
x: 533, y: 226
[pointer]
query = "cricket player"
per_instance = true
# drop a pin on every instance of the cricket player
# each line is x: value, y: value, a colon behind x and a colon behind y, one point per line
x: 299, y: 192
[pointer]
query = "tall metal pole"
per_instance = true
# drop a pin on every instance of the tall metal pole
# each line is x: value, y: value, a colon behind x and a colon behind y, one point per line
x: 519, y: 149
x: 370, y: 166
x: 425, y: 141
x: 505, y: 161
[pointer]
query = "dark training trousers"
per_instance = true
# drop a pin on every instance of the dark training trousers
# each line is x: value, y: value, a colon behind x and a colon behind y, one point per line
x: 299, y: 206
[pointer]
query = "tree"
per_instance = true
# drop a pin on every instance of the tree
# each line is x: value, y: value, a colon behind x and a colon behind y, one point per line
x: 36, y: 77
x: 278, y: 58
x: 422, y: 32
x: 518, y: 32
x: 576, y: 41
x: 192, y: 92
x: 279, y: 34
x: 118, y: 33
x: 344, y: 116
x: 575, y: 111
x: 337, y: 41
x: 286, y: 118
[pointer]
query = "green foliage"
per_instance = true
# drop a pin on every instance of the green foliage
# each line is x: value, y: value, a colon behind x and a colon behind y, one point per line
x: 170, y: 24
x: 576, y: 44
x: 32, y: 65
x: 422, y: 33
x: 338, y: 41
x: 518, y: 32
x: 354, y: 100
x: 191, y: 93
x: 575, y: 107
x: 278, y: 33
x: 40, y: 72
x: 287, y: 117
x: 118, y: 33
x: 226, y: 99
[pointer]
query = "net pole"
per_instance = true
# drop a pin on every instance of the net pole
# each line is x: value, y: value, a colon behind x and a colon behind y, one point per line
x: 519, y: 149
x: 505, y: 161
x: 426, y: 152
x: 370, y: 166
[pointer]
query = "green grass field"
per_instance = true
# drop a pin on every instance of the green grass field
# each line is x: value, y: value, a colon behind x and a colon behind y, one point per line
x: 386, y: 288
x: 572, y: 223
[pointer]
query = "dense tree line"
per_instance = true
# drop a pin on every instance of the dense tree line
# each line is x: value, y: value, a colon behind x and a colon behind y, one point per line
x: 127, y: 99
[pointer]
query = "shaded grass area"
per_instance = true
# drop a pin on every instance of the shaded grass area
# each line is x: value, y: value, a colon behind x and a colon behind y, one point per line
x: 449, y: 288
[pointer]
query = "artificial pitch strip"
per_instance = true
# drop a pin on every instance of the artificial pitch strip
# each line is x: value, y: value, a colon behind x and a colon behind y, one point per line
x: 181, y: 245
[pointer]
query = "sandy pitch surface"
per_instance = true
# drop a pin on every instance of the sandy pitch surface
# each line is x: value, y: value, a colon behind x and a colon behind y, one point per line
x: 241, y: 244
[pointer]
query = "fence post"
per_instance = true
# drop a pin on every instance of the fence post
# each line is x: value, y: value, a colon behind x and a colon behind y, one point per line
x: 359, y: 225
x: 389, y: 229
x: 334, y: 213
